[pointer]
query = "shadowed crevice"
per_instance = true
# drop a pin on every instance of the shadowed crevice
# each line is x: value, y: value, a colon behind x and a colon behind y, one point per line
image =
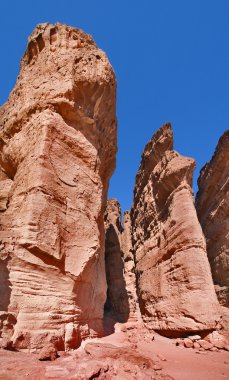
x: 116, y: 308
x: 5, y: 285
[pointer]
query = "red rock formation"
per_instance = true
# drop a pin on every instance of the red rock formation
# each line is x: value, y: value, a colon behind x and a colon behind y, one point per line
x: 121, y: 304
x: 58, y: 145
x: 129, y: 269
x: 212, y: 203
x: 116, y: 306
x: 174, y: 281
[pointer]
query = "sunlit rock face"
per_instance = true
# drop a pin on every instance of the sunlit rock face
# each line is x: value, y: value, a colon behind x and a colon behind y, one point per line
x: 174, y: 284
x: 58, y: 147
x: 212, y: 203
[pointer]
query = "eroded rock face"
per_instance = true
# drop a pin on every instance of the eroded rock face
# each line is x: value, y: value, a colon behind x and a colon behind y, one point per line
x: 174, y: 281
x: 58, y: 146
x: 212, y: 203
x: 116, y: 306
x: 122, y: 304
x: 129, y: 269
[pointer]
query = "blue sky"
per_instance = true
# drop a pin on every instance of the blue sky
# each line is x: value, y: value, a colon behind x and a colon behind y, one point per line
x: 171, y: 59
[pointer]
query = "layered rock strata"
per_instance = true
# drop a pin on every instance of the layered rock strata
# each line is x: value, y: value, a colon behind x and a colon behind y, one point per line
x: 175, y: 287
x: 122, y: 303
x: 58, y: 146
x: 212, y: 203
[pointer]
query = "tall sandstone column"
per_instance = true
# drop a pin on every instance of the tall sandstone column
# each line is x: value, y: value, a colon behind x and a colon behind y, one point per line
x: 122, y: 304
x: 212, y: 203
x: 58, y: 146
x: 175, y: 288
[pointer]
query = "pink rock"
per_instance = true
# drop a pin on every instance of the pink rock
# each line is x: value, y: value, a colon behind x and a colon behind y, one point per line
x: 196, y: 345
x: 58, y: 146
x: 218, y: 339
x: 201, y: 351
x: 48, y: 352
x: 129, y: 269
x: 188, y: 343
x: 179, y: 342
x: 214, y: 349
x: 204, y: 344
x: 174, y: 294
x: 124, y: 360
x: 212, y: 204
x: 122, y: 303
x: 194, y: 337
x: 117, y: 304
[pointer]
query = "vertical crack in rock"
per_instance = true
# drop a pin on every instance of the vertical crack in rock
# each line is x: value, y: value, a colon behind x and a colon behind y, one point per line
x: 212, y: 203
x: 58, y: 146
x: 174, y: 281
x: 121, y: 304
x: 129, y: 269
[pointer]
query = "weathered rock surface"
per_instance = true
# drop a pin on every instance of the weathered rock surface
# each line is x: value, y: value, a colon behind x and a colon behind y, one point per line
x: 174, y: 281
x: 214, y: 341
x: 212, y: 203
x: 122, y: 303
x: 48, y: 352
x: 123, y: 363
x: 117, y: 306
x: 115, y: 357
x: 58, y: 146
x: 129, y: 269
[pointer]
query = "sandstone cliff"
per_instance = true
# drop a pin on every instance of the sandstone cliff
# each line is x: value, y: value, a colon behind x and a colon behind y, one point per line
x: 212, y: 203
x: 174, y: 281
x: 58, y: 146
x: 129, y: 267
x: 122, y: 303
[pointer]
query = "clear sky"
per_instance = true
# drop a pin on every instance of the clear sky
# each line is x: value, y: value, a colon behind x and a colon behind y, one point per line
x: 171, y: 59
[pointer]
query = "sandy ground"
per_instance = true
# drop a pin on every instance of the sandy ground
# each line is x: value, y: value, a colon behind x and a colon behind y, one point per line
x: 178, y: 362
x: 187, y: 363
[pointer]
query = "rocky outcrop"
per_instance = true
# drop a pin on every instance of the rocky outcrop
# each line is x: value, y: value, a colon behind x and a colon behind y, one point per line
x: 58, y: 146
x: 129, y: 269
x: 116, y: 306
x: 212, y: 203
x: 175, y: 287
x: 122, y: 304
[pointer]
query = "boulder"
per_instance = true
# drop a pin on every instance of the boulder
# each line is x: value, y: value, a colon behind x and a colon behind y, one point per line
x: 194, y: 337
x: 188, y: 343
x: 204, y: 344
x: 218, y: 339
x: 48, y: 352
